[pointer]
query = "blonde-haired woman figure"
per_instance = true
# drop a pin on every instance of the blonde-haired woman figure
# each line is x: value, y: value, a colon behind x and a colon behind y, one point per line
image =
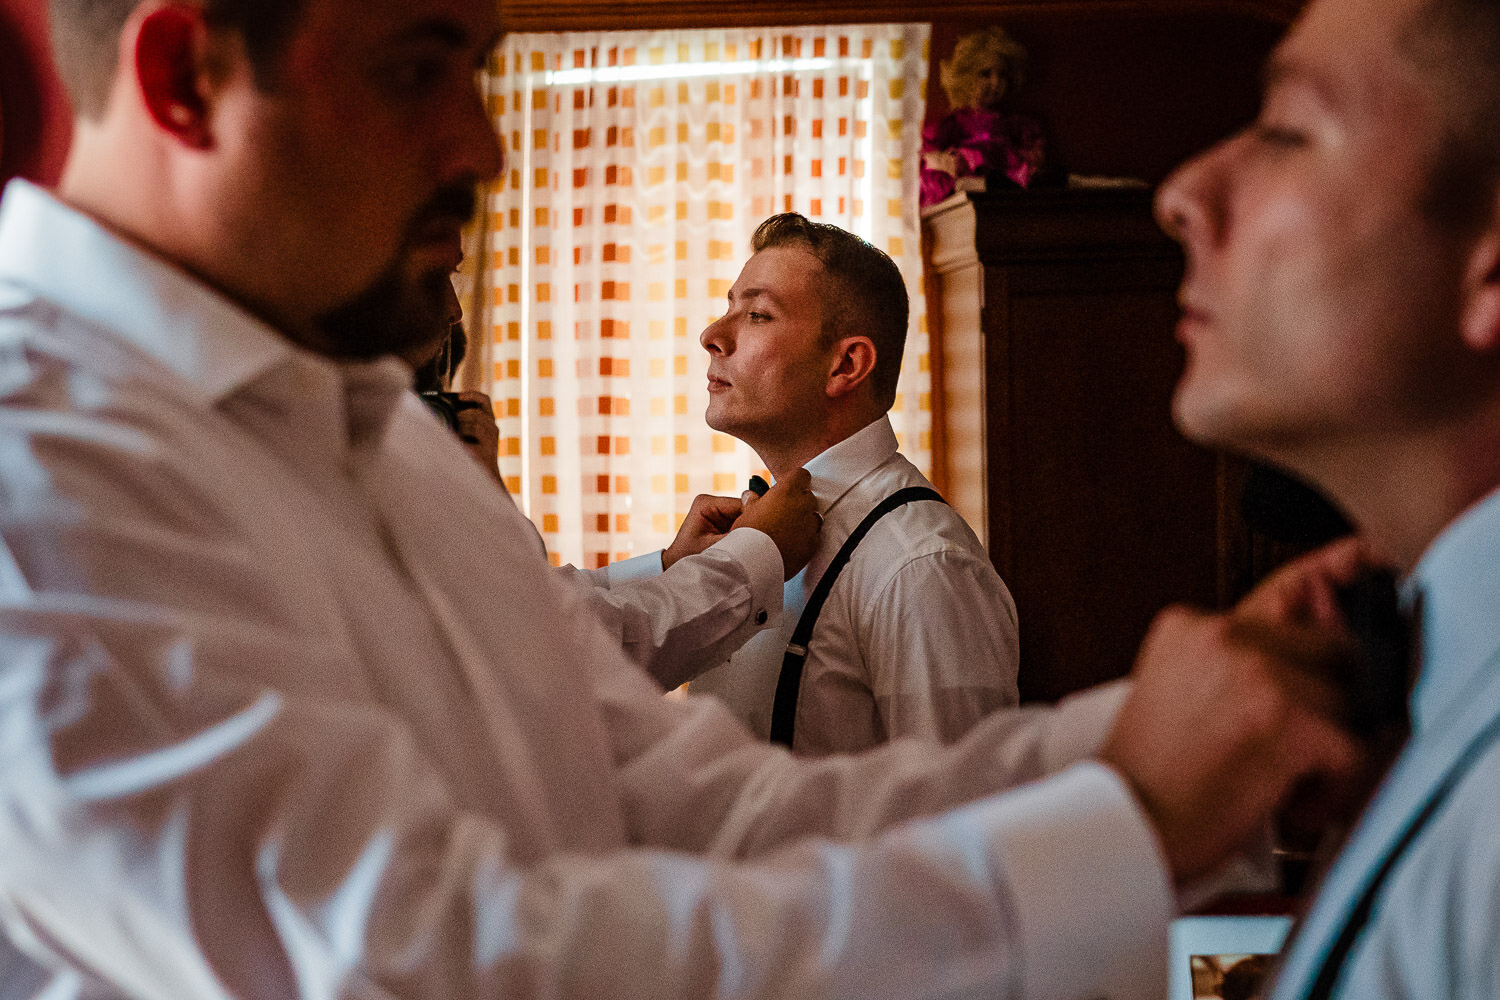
x: 977, y: 137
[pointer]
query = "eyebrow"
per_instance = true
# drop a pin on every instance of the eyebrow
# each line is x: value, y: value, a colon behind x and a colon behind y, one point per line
x: 756, y: 293
x: 1338, y: 92
x: 448, y: 34
x: 436, y: 30
x: 1281, y: 69
x: 445, y: 32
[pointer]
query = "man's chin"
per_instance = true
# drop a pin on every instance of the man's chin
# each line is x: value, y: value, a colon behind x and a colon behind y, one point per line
x: 1197, y: 418
x: 399, y: 311
x: 714, y: 418
x: 1234, y: 425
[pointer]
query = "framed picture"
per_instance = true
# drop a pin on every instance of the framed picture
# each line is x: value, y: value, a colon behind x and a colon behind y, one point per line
x: 1225, y: 957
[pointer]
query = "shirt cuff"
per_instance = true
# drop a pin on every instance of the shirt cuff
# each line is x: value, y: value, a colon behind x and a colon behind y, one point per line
x: 1093, y: 895
x: 635, y: 568
x: 1080, y: 722
x: 764, y: 569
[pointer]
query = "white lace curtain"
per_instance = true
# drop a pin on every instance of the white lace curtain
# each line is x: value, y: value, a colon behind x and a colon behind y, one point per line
x: 638, y: 165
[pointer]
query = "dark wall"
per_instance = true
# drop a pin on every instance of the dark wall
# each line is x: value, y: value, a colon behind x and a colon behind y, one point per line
x: 1125, y: 93
x: 1129, y: 93
x: 34, y: 112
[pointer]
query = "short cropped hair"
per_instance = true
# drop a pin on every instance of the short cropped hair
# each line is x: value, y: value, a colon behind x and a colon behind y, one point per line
x: 86, y: 40
x: 975, y: 50
x: 1456, y: 44
x: 863, y: 291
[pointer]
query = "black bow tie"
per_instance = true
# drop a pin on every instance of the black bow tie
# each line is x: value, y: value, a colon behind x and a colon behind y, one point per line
x: 1388, y: 635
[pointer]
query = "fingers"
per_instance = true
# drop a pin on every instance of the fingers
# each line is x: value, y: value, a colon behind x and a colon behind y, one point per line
x: 477, y: 397
x: 1314, y: 664
x: 788, y: 513
x: 1226, y: 717
x: 721, y: 512
x: 798, y: 482
x: 1305, y: 590
x: 708, y: 520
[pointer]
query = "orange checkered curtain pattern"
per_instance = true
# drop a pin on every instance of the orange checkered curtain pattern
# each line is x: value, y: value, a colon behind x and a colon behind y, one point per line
x: 637, y: 166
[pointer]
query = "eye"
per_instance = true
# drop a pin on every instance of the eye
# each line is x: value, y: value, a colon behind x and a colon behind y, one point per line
x: 1278, y: 136
x: 759, y: 317
x: 415, y: 76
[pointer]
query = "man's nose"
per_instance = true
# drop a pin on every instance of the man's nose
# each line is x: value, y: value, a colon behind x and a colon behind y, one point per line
x: 1186, y: 202
x: 713, y: 339
x: 472, y: 148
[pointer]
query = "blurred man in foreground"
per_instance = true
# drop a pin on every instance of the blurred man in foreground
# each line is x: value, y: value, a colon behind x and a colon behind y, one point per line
x: 1341, y: 314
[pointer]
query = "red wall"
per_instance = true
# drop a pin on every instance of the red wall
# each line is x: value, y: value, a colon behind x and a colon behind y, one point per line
x: 34, y: 112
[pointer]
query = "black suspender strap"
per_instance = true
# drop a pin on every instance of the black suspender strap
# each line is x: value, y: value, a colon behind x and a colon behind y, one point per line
x: 789, y: 684
x: 1333, y: 962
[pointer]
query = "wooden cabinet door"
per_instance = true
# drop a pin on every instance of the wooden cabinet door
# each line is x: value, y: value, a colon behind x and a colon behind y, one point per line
x: 1099, y: 512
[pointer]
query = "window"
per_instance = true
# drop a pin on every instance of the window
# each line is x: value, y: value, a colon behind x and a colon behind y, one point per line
x: 638, y: 165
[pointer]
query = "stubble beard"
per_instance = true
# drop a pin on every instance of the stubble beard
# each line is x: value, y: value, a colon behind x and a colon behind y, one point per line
x: 393, y: 315
x: 401, y: 309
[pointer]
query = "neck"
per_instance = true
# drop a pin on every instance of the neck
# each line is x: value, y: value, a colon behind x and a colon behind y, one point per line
x: 786, y: 457
x: 130, y: 186
x: 1403, y: 494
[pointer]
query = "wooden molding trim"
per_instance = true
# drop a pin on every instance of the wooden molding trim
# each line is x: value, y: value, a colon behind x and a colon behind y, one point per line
x: 604, y: 15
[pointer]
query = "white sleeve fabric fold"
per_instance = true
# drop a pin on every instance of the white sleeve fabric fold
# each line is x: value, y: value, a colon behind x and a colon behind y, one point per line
x: 213, y: 839
x: 690, y: 618
x: 940, y: 645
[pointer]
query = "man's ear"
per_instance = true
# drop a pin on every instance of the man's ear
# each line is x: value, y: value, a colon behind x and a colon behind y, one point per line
x: 1480, y: 318
x: 169, y: 49
x: 852, y: 366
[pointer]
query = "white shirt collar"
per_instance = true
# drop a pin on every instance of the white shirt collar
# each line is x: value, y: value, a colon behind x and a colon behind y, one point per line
x: 62, y: 255
x: 1459, y: 579
x: 836, y: 470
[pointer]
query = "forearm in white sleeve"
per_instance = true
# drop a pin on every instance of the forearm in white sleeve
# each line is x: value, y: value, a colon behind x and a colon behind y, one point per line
x: 169, y: 829
x: 690, y: 618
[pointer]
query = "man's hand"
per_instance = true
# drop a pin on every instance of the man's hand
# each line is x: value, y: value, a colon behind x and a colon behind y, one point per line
x: 1304, y: 591
x: 1233, y: 717
x: 477, y: 430
x: 709, y: 519
x: 789, y: 514
x: 1227, y: 715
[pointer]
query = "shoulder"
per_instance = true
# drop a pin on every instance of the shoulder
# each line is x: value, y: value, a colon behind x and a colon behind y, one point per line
x: 73, y: 397
x: 1449, y: 888
x: 920, y: 537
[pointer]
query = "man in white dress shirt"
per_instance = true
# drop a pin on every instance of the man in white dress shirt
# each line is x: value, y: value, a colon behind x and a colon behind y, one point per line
x: 1341, y: 315
x: 273, y: 726
x: 918, y: 634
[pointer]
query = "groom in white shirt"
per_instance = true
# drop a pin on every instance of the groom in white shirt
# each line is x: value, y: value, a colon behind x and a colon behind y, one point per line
x: 918, y: 633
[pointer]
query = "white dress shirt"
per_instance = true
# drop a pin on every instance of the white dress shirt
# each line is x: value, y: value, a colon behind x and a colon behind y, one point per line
x: 697, y: 612
x: 675, y: 623
x: 1432, y: 933
x: 273, y: 726
x: 918, y: 636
